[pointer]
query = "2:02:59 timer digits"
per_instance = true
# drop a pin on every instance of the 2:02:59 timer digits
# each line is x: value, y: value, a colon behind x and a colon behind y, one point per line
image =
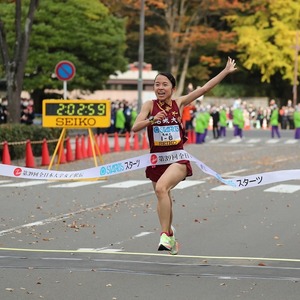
x: 75, y: 109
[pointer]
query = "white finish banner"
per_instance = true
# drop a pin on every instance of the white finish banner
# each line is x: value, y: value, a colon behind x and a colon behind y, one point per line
x: 143, y: 161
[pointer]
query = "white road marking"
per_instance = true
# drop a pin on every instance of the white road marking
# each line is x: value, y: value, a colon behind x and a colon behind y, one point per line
x: 187, y: 183
x: 142, y: 234
x: 272, y: 141
x: 216, y: 141
x: 4, y: 181
x: 25, y: 183
x: 225, y: 188
x: 126, y: 184
x: 74, y: 184
x: 234, y: 141
x: 70, y: 214
x: 106, y: 249
x: 234, y: 172
x: 253, y: 141
x: 284, y: 188
x: 98, y: 250
x: 291, y: 141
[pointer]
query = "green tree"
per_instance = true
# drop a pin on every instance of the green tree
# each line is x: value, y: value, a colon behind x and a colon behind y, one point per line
x: 266, y: 32
x: 83, y: 32
x: 14, y: 51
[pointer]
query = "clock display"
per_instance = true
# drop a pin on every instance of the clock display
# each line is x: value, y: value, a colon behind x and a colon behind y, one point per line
x: 76, y: 113
x: 76, y: 109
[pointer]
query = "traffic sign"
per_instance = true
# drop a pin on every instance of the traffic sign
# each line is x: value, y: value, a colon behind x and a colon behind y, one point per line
x: 65, y: 70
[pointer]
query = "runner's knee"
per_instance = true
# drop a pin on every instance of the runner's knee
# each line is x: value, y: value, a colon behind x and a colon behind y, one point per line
x: 161, y: 190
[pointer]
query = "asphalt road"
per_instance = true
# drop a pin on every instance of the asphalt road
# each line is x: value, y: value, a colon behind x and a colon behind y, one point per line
x: 98, y: 240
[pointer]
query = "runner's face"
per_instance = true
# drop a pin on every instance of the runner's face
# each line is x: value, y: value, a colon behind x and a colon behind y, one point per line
x: 163, y: 88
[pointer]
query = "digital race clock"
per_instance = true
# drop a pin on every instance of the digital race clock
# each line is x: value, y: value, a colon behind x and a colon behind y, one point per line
x: 76, y: 113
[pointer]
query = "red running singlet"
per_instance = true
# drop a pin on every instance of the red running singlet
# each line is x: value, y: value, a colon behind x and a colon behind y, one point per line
x: 166, y: 135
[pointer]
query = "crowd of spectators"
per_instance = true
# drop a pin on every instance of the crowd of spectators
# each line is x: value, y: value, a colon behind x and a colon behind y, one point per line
x: 27, y: 111
x: 255, y: 117
x: 123, y: 115
x: 198, y: 116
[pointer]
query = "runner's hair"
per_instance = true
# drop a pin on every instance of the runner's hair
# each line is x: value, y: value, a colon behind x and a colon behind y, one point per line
x: 169, y: 76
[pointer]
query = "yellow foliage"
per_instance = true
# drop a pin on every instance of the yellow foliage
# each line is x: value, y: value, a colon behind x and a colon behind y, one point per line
x: 267, y: 38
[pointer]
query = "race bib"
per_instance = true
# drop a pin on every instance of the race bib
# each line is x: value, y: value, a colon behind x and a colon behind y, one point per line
x: 166, y: 135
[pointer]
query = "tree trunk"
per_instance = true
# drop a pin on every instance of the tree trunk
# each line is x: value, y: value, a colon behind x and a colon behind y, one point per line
x: 180, y: 86
x: 14, y: 98
x: 15, y: 66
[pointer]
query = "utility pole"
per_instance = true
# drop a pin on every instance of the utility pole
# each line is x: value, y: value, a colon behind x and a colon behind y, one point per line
x: 141, y: 56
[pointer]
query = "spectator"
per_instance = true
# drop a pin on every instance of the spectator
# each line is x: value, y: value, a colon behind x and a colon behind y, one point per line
x: 290, y: 114
x: 127, y: 114
x: 27, y: 113
x: 283, y: 117
x: 260, y: 118
x: 133, y: 115
x: 3, y: 111
x: 223, y: 121
x: 297, y: 121
x: 207, y: 119
x: 215, y: 125
x: 238, y: 119
x: 200, y: 125
x: 120, y: 119
x: 274, y: 119
x: 187, y: 116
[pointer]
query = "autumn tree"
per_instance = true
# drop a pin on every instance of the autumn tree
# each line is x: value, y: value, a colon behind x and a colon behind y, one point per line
x: 181, y: 27
x: 266, y: 32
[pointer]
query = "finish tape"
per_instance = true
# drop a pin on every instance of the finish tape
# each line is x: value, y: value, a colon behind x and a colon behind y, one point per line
x: 151, y: 159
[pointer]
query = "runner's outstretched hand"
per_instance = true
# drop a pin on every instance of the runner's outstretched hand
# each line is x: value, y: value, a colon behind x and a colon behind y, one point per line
x: 230, y: 66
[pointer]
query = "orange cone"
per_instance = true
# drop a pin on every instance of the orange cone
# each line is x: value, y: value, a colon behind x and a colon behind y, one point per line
x: 117, y: 145
x: 106, y: 143
x: 78, y: 153
x: 61, y: 154
x: 101, y: 144
x: 5, y: 154
x: 145, y: 144
x: 45, y: 154
x: 29, y: 159
x: 136, y: 145
x: 89, y: 148
x: 69, y: 155
x: 83, y: 148
x: 127, y: 142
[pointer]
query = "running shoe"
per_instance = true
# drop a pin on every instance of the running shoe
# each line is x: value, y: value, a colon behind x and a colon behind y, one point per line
x: 165, y: 243
x: 174, y: 243
x: 168, y: 243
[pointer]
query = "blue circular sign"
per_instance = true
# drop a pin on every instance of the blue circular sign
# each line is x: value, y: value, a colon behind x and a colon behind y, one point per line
x: 65, y: 70
x: 102, y: 171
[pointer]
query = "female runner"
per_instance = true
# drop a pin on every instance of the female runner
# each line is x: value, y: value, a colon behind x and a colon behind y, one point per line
x: 162, y: 117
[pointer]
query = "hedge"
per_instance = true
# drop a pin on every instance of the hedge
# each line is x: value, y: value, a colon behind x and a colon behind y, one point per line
x: 16, y: 136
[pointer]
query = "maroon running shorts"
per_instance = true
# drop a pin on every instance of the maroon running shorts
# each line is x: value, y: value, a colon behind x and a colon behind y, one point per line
x: 154, y: 172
